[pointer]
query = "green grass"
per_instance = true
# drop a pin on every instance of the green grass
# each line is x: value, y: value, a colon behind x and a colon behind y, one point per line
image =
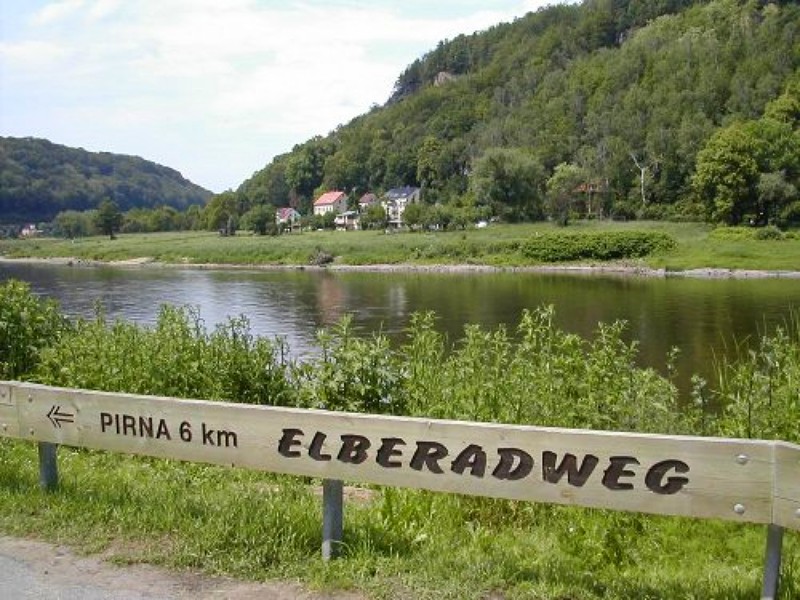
x: 497, y: 245
x: 397, y: 543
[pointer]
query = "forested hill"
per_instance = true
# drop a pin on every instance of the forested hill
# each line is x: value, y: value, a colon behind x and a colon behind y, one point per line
x: 39, y: 179
x: 622, y: 94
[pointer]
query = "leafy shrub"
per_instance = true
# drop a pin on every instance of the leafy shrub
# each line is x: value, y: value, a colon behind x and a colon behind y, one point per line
x: 758, y: 391
x: 351, y: 373
x: 623, y: 211
x: 687, y: 211
x: 320, y: 257
x: 541, y: 375
x: 732, y: 233
x: 27, y: 325
x: 770, y: 232
x: 177, y: 357
x: 610, y: 245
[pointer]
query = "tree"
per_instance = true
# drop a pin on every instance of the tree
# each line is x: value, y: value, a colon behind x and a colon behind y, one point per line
x: 563, y: 189
x: 428, y: 162
x: 510, y: 181
x: 774, y: 195
x: 374, y: 217
x: 220, y: 210
x: 730, y: 167
x: 108, y: 218
x: 73, y: 223
x: 259, y: 219
x: 413, y: 215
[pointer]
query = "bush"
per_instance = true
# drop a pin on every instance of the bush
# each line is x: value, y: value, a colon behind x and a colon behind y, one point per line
x: 623, y: 211
x: 770, y: 232
x: 611, y: 245
x: 27, y: 325
x: 320, y: 258
x: 177, y: 357
x: 732, y: 234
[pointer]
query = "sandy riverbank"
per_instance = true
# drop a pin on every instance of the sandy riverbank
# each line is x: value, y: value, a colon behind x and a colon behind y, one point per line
x: 587, y: 269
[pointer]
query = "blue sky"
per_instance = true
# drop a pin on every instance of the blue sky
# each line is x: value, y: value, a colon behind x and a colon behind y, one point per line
x: 213, y: 88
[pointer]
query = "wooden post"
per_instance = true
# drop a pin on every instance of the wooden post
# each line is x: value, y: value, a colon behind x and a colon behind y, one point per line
x: 48, y: 466
x: 332, y: 517
x: 772, y: 562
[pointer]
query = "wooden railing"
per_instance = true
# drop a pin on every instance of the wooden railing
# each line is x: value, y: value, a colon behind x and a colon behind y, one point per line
x: 749, y: 481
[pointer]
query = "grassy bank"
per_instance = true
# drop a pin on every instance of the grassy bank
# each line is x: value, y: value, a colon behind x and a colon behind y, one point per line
x: 398, y: 543
x: 693, y: 246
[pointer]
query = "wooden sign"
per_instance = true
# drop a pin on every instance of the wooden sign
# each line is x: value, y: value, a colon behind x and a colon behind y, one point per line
x: 740, y: 480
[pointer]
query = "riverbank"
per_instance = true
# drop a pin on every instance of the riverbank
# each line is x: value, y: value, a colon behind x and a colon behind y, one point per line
x: 587, y: 269
x: 652, y: 249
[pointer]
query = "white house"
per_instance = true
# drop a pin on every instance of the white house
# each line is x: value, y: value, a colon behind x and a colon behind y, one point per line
x: 335, y: 202
x: 395, y: 201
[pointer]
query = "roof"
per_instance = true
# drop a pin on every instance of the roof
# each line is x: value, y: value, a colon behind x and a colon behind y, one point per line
x: 329, y: 198
x: 368, y: 198
x: 401, y: 192
x: 286, y: 212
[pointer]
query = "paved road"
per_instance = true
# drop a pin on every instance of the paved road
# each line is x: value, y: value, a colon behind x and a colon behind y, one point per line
x: 32, y: 570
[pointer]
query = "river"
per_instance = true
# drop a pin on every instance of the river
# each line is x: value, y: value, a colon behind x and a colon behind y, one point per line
x: 704, y: 318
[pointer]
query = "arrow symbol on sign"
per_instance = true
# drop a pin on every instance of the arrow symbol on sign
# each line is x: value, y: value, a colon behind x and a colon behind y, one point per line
x: 57, y: 417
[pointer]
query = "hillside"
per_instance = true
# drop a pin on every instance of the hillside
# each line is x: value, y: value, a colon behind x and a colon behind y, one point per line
x: 39, y: 179
x: 624, y: 94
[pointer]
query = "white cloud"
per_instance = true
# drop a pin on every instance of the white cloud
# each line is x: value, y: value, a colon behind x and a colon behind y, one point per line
x: 57, y: 11
x: 31, y: 54
x: 197, y: 75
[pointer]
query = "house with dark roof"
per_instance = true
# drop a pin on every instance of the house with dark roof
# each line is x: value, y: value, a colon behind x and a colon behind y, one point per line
x: 335, y: 202
x: 395, y: 202
x: 367, y: 200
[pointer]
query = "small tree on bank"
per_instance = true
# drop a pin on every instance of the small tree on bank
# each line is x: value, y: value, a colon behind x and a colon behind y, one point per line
x: 108, y: 218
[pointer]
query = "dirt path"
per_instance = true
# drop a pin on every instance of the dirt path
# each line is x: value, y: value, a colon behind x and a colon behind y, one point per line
x: 33, y: 570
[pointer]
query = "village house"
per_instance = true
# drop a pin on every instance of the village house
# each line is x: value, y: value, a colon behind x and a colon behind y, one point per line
x: 288, y: 217
x: 335, y: 202
x: 367, y: 200
x: 395, y: 202
x: 348, y: 220
x: 29, y: 231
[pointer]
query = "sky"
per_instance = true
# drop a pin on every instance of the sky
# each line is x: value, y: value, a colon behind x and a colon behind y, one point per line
x: 213, y: 88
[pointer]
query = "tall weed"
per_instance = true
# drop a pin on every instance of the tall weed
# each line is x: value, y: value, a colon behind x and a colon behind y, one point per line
x: 27, y: 325
x: 758, y: 392
x: 178, y: 357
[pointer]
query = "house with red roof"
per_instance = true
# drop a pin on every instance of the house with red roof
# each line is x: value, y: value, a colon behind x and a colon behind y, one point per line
x: 335, y: 202
x: 287, y: 216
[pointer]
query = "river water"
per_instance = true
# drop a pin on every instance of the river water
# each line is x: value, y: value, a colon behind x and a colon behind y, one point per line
x: 704, y: 318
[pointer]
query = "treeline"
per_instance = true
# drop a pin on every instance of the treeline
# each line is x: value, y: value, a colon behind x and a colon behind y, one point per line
x: 74, y: 223
x: 609, y: 108
x: 39, y: 179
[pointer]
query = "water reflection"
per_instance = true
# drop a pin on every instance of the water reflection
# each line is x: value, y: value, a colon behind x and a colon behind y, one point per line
x: 703, y: 318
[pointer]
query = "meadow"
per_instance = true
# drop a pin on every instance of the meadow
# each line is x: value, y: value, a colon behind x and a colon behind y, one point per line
x: 657, y: 245
x: 398, y: 543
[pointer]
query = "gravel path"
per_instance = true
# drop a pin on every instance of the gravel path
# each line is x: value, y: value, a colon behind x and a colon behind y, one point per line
x: 33, y: 570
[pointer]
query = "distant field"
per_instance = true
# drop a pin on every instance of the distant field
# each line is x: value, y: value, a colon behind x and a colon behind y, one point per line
x: 697, y: 246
